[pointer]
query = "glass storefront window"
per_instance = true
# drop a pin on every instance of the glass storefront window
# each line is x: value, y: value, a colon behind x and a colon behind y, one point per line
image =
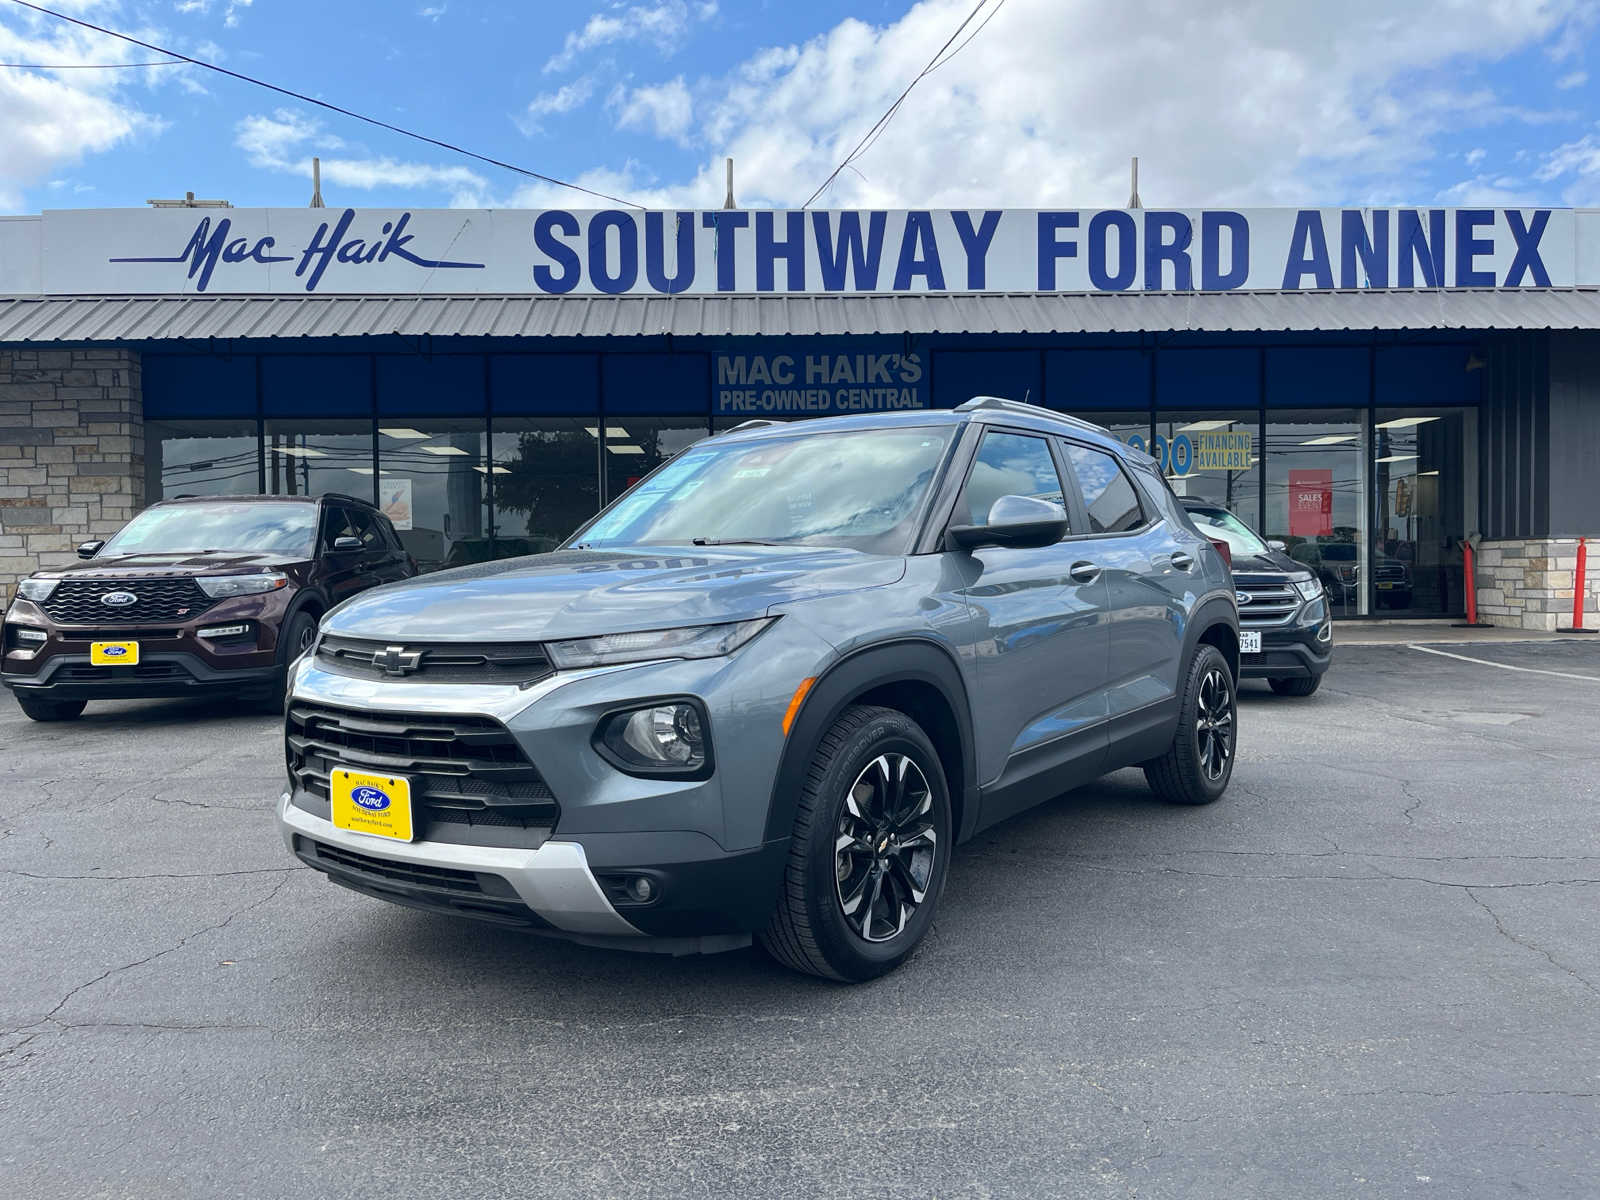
x: 1423, y: 462
x: 433, y: 485
x: 1213, y: 456
x: 1316, y: 463
x: 637, y: 445
x: 200, y: 458
x: 546, y: 482
x: 1130, y: 427
x: 308, y: 458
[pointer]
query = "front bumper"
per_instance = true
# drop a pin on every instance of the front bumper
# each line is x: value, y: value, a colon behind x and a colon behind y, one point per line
x: 709, y: 901
x: 73, y: 677
x: 1288, y: 654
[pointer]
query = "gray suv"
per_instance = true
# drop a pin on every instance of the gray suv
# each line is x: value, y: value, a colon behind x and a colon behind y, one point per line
x: 768, y: 690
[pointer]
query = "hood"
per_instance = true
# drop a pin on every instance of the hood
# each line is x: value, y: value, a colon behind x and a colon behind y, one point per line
x: 1273, y: 562
x: 204, y: 562
x: 580, y: 593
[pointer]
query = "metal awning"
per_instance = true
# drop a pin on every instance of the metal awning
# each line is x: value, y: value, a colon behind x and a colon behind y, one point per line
x: 177, y: 318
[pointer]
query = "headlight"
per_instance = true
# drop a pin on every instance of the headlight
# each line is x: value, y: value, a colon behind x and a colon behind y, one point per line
x: 693, y: 641
x: 36, y: 589
x: 1309, y: 587
x: 219, y: 586
x: 667, y: 738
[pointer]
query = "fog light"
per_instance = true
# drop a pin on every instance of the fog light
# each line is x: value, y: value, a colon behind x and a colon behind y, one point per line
x: 664, y: 739
x: 222, y: 631
x: 642, y: 888
x: 23, y: 634
x: 1325, y: 634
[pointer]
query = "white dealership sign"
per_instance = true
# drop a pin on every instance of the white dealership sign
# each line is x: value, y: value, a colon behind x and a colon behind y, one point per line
x: 557, y: 252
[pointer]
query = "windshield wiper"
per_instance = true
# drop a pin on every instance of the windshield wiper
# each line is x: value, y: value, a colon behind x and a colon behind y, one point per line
x: 704, y: 541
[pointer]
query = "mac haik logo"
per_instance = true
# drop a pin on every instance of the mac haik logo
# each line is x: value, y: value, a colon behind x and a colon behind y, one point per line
x: 209, y: 246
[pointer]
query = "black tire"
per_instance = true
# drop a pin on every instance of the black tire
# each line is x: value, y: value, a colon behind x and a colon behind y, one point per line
x: 899, y: 835
x: 1295, y: 687
x: 1197, y: 766
x: 297, y: 636
x: 40, y: 709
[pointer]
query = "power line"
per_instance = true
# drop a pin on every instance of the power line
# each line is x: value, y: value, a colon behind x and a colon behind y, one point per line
x: 882, y: 123
x: 170, y: 62
x: 283, y: 91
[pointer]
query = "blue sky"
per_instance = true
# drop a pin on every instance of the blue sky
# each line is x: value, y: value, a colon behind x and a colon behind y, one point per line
x: 1253, y: 102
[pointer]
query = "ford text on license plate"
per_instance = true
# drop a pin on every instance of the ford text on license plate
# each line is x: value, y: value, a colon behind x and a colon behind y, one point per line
x: 114, y: 654
x: 366, y: 802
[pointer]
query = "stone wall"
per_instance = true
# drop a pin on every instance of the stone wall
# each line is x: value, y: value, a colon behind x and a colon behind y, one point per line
x: 71, y: 453
x: 1526, y: 583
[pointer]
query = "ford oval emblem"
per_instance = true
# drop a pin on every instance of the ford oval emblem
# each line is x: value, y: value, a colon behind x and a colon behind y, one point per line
x: 1243, y: 597
x: 370, y: 798
x: 119, y: 599
x: 114, y: 651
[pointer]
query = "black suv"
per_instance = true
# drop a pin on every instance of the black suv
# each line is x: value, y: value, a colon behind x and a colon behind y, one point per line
x: 1285, y: 630
x: 214, y: 593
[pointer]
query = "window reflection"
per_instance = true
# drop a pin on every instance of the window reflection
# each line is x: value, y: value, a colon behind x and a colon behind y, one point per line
x: 546, y: 482
x: 1213, y: 456
x: 200, y: 458
x: 635, y: 446
x: 433, y: 487
x: 1422, y: 461
x: 1316, y: 498
x: 308, y: 458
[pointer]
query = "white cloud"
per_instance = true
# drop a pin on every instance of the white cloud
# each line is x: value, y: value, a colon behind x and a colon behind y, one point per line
x: 1476, y: 156
x: 563, y: 100
x: 665, y: 109
x: 56, y: 119
x: 663, y: 23
x: 235, y: 7
x: 433, y: 12
x: 1255, y: 102
x: 1572, y: 79
x: 286, y: 140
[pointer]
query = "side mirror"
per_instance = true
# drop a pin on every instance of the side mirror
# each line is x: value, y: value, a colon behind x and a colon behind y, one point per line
x: 89, y: 549
x: 1015, y: 521
x: 345, y: 545
x: 1274, y: 544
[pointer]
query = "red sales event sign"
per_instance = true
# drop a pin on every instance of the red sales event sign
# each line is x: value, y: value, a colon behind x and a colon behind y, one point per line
x: 1310, y: 503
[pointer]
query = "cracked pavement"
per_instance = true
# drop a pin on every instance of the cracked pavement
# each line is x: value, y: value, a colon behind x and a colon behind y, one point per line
x: 1373, y: 969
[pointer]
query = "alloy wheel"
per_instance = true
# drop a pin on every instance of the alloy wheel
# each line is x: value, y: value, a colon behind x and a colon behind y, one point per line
x: 1214, y: 724
x: 885, y: 847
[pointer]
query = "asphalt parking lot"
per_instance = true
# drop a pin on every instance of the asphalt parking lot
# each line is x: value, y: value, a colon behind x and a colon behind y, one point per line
x: 1373, y: 969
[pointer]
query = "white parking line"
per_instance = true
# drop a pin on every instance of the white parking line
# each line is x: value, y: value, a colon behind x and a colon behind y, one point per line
x: 1484, y: 662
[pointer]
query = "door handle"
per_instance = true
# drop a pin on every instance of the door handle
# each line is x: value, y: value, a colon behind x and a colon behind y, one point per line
x: 1084, y: 572
x: 1182, y: 561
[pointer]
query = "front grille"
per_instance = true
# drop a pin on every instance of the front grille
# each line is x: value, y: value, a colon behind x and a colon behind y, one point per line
x: 1390, y: 573
x: 1273, y: 600
x: 77, y: 601
x: 464, y: 770
x: 436, y: 662
x: 82, y: 673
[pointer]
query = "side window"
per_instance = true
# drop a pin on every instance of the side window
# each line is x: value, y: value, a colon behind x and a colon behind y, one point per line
x: 1108, y: 494
x: 1008, y: 464
x: 368, y: 530
x: 336, y: 524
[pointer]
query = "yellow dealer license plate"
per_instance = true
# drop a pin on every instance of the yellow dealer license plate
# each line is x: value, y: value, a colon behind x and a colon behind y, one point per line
x: 114, y: 654
x: 367, y: 803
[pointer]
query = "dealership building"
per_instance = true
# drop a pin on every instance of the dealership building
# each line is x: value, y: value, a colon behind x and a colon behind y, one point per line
x: 1372, y: 387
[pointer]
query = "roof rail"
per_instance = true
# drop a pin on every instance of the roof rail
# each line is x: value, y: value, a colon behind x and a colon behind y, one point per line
x: 344, y: 497
x: 996, y: 403
x: 755, y: 424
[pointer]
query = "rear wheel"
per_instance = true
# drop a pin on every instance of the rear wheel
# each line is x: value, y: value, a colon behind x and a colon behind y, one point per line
x: 1197, y: 766
x: 871, y: 843
x: 1295, y: 687
x: 40, y: 709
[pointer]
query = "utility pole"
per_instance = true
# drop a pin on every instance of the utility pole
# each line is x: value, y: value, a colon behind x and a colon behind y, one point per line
x: 316, y: 183
x: 728, y: 202
x: 1133, y: 200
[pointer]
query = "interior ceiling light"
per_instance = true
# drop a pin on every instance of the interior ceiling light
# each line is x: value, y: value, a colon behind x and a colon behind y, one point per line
x: 613, y: 432
x: 410, y: 435
x: 1421, y: 473
x: 1204, y: 426
x: 1396, y: 458
x: 624, y: 448
x: 1405, y: 422
x: 301, y: 451
x: 445, y: 450
x: 497, y: 471
x: 1331, y: 439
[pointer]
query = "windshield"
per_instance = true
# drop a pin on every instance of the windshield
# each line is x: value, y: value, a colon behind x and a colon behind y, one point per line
x: 861, y: 489
x: 187, y: 528
x: 1220, y: 523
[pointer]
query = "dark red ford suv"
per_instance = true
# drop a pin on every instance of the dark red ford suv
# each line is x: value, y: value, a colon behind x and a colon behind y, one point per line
x: 212, y: 594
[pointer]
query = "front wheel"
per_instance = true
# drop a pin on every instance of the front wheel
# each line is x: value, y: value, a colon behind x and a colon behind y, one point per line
x: 39, y: 709
x: 1295, y: 687
x: 1197, y: 766
x: 870, y: 848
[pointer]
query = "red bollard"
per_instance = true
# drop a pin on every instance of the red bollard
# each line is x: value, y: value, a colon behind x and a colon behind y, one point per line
x: 1469, y: 569
x: 1580, y: 588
